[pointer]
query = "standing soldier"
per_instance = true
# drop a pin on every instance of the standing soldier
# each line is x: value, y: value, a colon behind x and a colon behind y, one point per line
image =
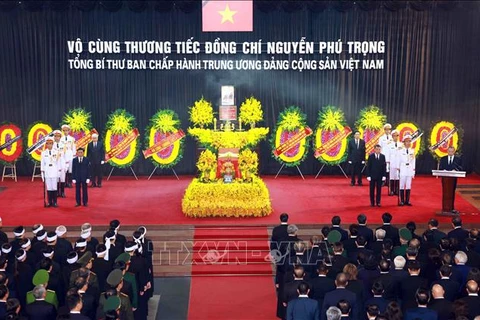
x: 407, y: 170
x: 70, y: 150
x: 392, y: 155
x: 49, y: 165
x: 58, y: 146
x: 385, y: 141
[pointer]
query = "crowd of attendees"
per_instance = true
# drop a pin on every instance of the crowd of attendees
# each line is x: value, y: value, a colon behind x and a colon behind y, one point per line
x: 47, y: 277
x: 388, y: 273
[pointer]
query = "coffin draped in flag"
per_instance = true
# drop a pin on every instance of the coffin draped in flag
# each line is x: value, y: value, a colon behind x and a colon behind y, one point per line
x: 219, y: 15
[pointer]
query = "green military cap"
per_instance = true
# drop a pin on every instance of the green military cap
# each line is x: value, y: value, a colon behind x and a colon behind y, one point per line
x: 85, y: 259
x: 125, y: 257
x: 112, y: 304
x: 405, y: 234
x: 334, y: 236
x: 40, y: 277
x: 115, y: 277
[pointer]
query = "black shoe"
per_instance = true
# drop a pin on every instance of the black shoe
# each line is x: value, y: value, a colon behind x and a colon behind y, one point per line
x: 55, y: 205
x: 372, y: 205
x: 85, y: 205
x: 401, y: 204
x: 408, y: 204
x: 379, y: 205
x: 360, y: 184
x: 352, y: 183
x: 77, y: 205
x: 99, y: 185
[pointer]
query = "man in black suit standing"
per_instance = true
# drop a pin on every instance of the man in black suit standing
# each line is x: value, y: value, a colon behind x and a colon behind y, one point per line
x: 303, y: 307
x: 451, y: 163
x: 356, y: 157
x: 340, y: 293
x: 81, y: 177
x: 75, y: 304
x: 96, y: 155
x: 376, y: 174
x: 40, y: 309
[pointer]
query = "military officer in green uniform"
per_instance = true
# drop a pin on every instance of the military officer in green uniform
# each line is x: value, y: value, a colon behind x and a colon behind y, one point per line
x: 41, y: 277
x: 129, y: 277
x: 86, y: 262
x: 115, y: 280
x: 405, y: 237
x: 112, y: 308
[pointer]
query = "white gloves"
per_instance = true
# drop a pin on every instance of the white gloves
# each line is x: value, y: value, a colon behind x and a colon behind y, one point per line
x: 363, y: 162
x: 88, y: 180
x: 74, y: 181
x: 384, y: 178
x: 369, y: 179
x: 102, y: 162
x: 350, y: 162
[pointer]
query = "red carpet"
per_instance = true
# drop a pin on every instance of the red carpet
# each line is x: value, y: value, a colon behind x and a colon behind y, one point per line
x: 218, y: 297
x: 158, y: 201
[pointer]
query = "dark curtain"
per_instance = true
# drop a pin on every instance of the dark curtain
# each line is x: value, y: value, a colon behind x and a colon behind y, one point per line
x: 432, y: 70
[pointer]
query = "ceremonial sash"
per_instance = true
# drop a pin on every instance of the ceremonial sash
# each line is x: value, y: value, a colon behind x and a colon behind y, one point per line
x: 86, y: 139
x: 416, y: 135
x: 10, y: 142
x: 372, y: 142
x: 448, y: 136
x: 293, y: 141
x: 327, y: 146
x: 39, y: 143
x: 164, y: 143
x: 122, y: 145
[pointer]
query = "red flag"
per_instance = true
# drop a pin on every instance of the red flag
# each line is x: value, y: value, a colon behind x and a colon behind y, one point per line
x: 222, y: 15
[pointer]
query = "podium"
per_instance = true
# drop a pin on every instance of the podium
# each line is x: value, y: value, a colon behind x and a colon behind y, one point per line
x: 449, y: 183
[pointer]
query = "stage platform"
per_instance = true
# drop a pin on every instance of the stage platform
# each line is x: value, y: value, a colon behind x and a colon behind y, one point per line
x: 158, y: 202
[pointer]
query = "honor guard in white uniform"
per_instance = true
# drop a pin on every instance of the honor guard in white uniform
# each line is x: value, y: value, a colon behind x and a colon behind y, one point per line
x: 392, y: 154
x: 407, y: 170
x: 384, y: 142
x: 70, y: 151
x: 58, y: 146
x: 50, y: 165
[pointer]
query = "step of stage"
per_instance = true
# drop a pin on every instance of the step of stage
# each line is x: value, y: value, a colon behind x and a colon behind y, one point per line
x: 230, y: 245
x: 232, y: 257
x: 232, y: 270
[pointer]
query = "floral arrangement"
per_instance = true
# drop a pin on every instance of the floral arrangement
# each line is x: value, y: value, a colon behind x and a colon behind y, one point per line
x: 201, y: 113
x: 10, y: 151
x: 35, y: 132
x: 248, y: 164
x: 291, y: 122
x: 80, y: 124
x: 251, y: 111
x: 450, y: 133
x: 163, y: 125
x: 207, y: 165
x: 410, y: 127
x: 218, y: 199
x: 331, y: 126
x: 370, y: 125
x: 121, y: 125
x: 228, y: 139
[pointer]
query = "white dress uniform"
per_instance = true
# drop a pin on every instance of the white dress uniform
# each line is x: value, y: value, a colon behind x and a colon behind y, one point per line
x: 407, y: 167
x: 385, y: 141
x: 70, y: 150
x: 59, y: 147
x: 392, y: 156
x: 50, y: 165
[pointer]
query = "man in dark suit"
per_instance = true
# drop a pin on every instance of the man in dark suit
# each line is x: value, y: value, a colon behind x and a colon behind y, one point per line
x: 437, y: 234
x: 363, y: 230
x: 303, y: 307
x: 376, y: 175
x: 472, y: 299
x: 81, y: 177
x: 388, y: 281
x: 75, y: 305
x: 96, y: 154
x: 391, y: 231
x: 410, y: 285
x: 279, y: 233
x: 40, y: 309
x: 321, y: 284
x: 438, y: 303
x: 340, y: 293
x: 336, y: 226
x: 451, y: 288
x: 3, y: 301
x: 422, y: 297
x: 451, y: 163
x: 377, y: 299
x: 458, y: 232
x: 356, y: 157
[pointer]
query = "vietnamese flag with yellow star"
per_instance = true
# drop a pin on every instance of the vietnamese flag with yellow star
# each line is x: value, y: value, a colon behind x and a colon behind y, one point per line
x: 220, y: 15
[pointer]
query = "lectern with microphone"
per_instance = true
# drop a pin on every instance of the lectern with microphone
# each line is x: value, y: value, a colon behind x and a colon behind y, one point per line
x: 448, y: 189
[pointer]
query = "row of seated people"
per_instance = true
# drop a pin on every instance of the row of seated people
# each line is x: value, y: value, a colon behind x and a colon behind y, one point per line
x: 48, y: 277
x: 388, y: 263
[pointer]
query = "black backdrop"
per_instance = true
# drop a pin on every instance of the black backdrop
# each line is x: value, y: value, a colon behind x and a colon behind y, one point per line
x: 432, y: 65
